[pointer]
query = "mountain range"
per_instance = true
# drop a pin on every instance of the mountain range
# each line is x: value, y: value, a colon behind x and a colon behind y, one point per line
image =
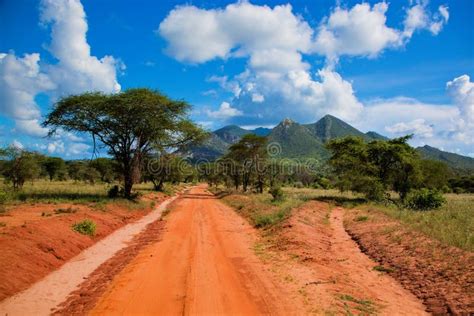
x: 296, y: 140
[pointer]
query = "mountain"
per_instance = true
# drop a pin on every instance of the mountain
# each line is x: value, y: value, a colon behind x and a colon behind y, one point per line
x: 296, y: 140
x: 454, y: 161
x: 376, y: 136
x: 330, y: 127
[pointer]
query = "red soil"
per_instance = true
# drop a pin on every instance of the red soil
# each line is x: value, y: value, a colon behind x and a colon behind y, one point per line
x: 33, y: 245
x: 441, y: 276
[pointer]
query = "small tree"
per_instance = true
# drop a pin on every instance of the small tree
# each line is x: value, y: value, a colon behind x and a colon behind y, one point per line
x: 54, y: 167
x: 250, y: 157
x: 21, y: 166
x: 130, y: 124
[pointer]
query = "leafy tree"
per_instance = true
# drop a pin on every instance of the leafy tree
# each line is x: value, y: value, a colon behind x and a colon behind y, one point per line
x: 55, y: 167
x: 435, y: 174
x: 375, y: 167
x: 168, y: 167
x: 130, y: 124
x: 105, y: 167
x: 250, y: 158
x: 21, y: 166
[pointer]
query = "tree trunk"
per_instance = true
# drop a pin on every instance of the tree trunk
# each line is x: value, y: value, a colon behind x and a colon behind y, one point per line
x: 128, y: 184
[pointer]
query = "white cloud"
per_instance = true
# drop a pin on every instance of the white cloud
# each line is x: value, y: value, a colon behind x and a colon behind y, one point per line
x: 417, y: 127
x: 359, y: 31
x: 420, y: 18
x: 77, y: 149
x: 199, y: 35
x: 17, y: 144
x: 225, y: 111
x: 461, y: 90
x: 277, y: 81
x: 22, y: 79
x: 77, y: 70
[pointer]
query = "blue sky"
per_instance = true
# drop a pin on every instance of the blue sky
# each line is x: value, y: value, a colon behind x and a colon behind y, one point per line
x: 250, y: 63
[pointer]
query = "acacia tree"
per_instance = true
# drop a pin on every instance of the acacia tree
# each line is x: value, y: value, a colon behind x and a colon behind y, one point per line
x: 21, y: 166
x: 130, y: 124
x: 250, y: 158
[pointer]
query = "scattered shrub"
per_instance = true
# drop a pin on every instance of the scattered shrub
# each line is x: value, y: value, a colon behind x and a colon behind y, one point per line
x: 277, y: 193
x: 3, y: 200
x: 424, y: 199
x: 86, y: 227
x: 114, y: 192
x: 298, y: 184
x: 361, y: 218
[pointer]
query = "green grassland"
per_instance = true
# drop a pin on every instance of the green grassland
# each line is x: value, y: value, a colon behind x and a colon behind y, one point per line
x: 452, y: 224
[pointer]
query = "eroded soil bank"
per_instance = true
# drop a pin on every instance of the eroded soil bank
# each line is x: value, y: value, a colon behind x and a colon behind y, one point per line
x: 37, y: 239
x: 441, y: 276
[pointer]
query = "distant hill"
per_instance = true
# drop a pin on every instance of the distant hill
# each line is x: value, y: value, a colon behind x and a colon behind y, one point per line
x: 455, y: 161
x: 297, y: 141
x: 330, y: 127
x: 307, y: 140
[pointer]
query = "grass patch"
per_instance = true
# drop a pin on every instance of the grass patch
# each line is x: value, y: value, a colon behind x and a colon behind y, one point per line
x: 68, y: 210
x: 452, y: 224
x: 3, y: 224
x: 361, y: 218
x: 382, y: 269
x: 363, y: 306
x: 85, y: 227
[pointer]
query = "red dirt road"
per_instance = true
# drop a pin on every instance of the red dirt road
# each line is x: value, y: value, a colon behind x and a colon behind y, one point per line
x: 203, y: 265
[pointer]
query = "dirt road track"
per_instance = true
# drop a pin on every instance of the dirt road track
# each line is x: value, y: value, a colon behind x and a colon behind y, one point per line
x: 203, y: 265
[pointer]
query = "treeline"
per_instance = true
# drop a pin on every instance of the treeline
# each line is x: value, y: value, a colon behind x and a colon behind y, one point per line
x: 18, y: 166
x: 373, y: 168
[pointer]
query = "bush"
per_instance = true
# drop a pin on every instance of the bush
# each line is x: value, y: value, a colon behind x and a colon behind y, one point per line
x: 277, y: 193
x: 424, y: 199
x: 298, y: 184
x: 114, y: 192
x: 3, y: 200
x: 86, y: 227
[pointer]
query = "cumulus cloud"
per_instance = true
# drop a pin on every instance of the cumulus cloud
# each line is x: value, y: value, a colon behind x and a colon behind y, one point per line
x: 277, y: 81
x: 359, y: 31
x: 22, y: 79
x: 225, y: 111
x: 420, y: 18
x: 77, y: 70
x: 461, y: 90
x: 416, y: 127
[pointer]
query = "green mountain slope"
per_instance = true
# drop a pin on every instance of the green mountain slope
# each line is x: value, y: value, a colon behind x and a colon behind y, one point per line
x: 455, y: 161
x: 307, y: 140
x: 296, y: 141
x: 330, y: 127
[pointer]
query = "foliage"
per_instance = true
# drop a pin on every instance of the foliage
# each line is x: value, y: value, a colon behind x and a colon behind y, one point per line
x: 130, y: 124
x: 167, y: 167
x: 246, y: 162
x: 277, y: 193
x: 425, y: 199
x: 85, y: 227
x: 55, y: 168
x: 376, y: 167
x: 21, y: 166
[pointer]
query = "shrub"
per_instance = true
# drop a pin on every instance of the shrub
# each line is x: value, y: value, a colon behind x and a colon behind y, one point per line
x: 3, y: 200
x: 277, y: 193
x: 424, y: 199
x: 114, y: 192
x: 86, y: 227
x: 298, y: 184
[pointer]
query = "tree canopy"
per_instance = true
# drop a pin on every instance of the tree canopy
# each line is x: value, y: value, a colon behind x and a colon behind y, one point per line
x: 130, y: 124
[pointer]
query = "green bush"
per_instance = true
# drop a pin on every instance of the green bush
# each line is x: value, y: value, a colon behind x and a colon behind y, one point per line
x: 424, y: 199
x: 3, y: 197
x: 114, y: 192
x: 298, y: 184
x: 86, y: 227
x: 277, y: 193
